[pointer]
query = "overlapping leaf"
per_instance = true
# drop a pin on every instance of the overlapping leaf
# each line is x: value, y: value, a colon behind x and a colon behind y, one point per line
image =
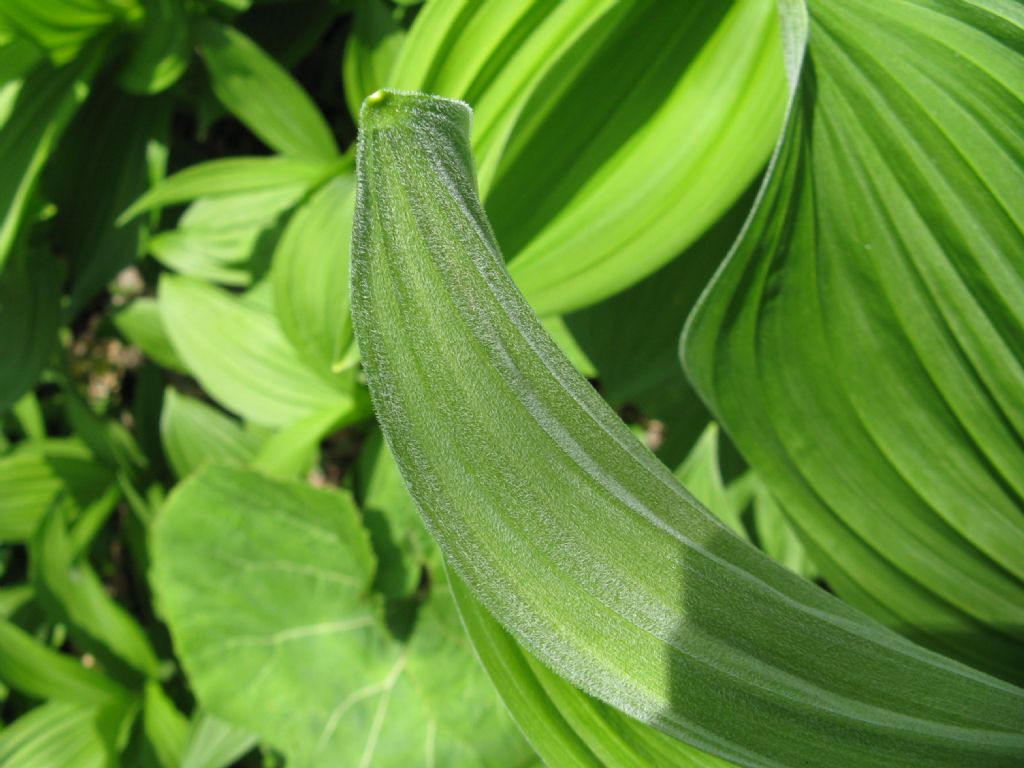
x: 577, y: 539
x: 864, y: 343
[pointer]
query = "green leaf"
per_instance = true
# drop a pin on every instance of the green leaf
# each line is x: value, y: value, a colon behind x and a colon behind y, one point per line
x: 310, y: 275
x: 165, y: 727
x: 161, y: 51
x: 29, y: 317
x: 59, y: 733
x: 194, y: 433
x: 229, y: 176
x: 588, y: 178
x: 226, y: 238
x: 104, y: 150
x: 238, y: 353
x: 293, y: 450
x: 38, y: 671
x: 863, y: 343
x: 46, y: 101
x: 371, y: 50
x: 72, y: 593
x: 563, y: 724
x: 325, y: 682
x: 260, y: 93
x: 63, y: 27
x: 35, y: 474
x: 212, y: 743
x: 392, y: 520
x: 701, y: 476
x: 140, y: 323
x: 577, y: 539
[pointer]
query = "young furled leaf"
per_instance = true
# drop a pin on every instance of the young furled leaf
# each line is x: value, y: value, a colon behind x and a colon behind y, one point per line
x: 577, y: 539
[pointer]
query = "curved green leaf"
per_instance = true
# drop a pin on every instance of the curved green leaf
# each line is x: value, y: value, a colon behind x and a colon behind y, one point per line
x: 263, y: 95
x: 577, y: 539
x: 864, y: 343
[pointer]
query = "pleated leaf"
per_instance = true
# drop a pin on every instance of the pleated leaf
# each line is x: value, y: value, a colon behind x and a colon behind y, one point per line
x: 610, y: 135
x: 864, y: 343
x: 577, y: 539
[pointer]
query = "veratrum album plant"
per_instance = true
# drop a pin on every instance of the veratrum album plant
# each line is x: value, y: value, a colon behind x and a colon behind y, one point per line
x: 506, y: 383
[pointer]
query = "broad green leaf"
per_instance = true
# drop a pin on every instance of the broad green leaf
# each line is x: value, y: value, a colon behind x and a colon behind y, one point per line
x: 260, y: 93
x: 29, y: 317
x: 310, y: 275
x: 371, y: 50
x: 229, y: 176
x: 589, y: 176
x: 577, y: 539
x: 71, y: 592
x: 41, y: 672
x: 161, y: 49
x: 325, y: 682
x: 29, y: 415
x: 46, y: 101
x: 863, y: 343
x: 140, y: 323
x: 212, y: 743
x: 35, y: 474
x: 238, y: 353
x: 194, y: 433
x: 59, y: 733
x: 565, y: 725
x: 63, y: 27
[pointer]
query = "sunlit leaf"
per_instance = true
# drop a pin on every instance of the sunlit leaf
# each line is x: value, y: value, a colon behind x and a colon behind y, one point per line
x: 863, y: 344
x: 577, y: 539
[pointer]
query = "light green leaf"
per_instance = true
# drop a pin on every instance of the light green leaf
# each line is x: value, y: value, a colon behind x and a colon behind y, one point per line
x: 775, y: 534
x: 212, y: 743
x: 293, y: 450
x: 40, y: 672
x: 590, y: 180
x: 577, y: 539
x: 238, y: 353
x: 194, y: 433
x: 371, y: 50
x: 59, y: 733
x: 161, y: 51
x: 228, y: 238
x: 141, y: 324
x: 701, y: 476
x: 864, y: 343
x: 165, y: 727
x: 29, y: 317
x: 71, y: 592
x: 310, y: 275
x: 35, y: 474
x: 325, y: 682
x: 63, y: 27
x: 260, y: 93
x: 229, y: 176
